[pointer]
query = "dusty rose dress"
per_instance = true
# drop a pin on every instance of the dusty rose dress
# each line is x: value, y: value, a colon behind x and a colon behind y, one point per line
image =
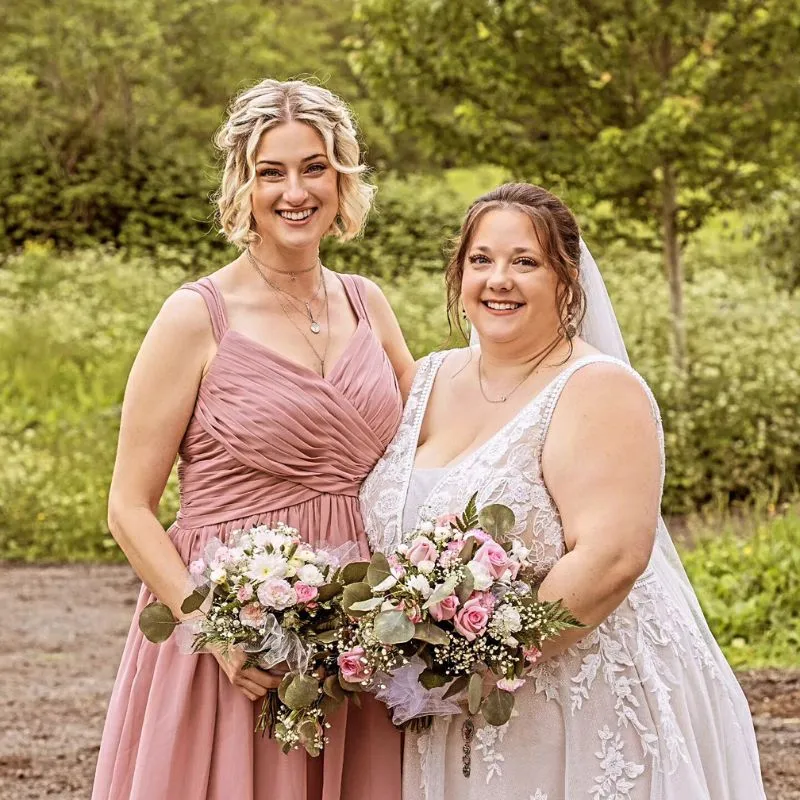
x: 268, y: 440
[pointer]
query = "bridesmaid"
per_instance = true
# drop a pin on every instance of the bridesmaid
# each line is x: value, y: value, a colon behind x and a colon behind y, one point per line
x: 274, y: 380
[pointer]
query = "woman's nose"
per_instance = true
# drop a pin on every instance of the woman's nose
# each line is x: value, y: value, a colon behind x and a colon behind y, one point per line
x: 499, y: 278
x: 295, y: 193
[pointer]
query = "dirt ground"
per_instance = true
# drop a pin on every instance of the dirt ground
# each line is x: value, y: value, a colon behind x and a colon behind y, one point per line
x: 60, y: 643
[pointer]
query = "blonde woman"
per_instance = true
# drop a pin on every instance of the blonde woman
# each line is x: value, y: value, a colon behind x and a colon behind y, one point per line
x: 274, y: 381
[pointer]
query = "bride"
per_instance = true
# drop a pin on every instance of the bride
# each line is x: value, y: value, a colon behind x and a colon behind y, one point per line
x: 547, y: 417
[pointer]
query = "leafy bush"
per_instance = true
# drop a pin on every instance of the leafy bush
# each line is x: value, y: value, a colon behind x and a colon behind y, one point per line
x: 749, y: 588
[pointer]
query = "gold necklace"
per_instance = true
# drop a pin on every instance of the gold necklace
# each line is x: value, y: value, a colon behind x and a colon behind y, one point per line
x: 537, y: 364
x: 314, y: 325
x: 292, y: 273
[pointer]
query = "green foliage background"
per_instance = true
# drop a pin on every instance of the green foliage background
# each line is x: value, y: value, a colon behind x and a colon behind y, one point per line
x: 106, y: 173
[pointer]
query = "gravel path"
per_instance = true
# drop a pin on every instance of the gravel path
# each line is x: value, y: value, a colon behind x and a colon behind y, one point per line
x: 60, y: 645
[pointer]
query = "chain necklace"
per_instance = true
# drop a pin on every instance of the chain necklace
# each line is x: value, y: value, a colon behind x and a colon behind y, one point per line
x: 536, y: 365
x: 277, y: 292
x: 314, y: 325
x: 292, y: 273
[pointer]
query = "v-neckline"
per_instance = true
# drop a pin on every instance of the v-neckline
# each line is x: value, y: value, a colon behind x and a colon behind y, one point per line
x: 464, y: 457
x: 285, y: 360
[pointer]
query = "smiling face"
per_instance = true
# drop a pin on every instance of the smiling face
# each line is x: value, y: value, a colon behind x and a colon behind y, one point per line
x: 508, y: 289
x: 295, y: 196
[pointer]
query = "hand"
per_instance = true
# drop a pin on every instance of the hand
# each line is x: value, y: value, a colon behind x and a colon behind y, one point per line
x: 252, y: 682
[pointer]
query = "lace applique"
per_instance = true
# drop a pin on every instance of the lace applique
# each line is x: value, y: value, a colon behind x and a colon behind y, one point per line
x: 540, y: 795
x: 487, y: 740
x: 618, y: 775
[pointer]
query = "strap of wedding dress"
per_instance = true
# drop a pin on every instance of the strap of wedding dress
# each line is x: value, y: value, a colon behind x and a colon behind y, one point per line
x: 215, y: 304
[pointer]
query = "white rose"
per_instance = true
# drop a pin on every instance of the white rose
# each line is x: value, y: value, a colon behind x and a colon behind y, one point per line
x: 519, y: 551
x: 426, y: 567
x: 218, y: 575
x: 277, y: 594
x: 311, y: 575
x: 441, y: 533
x: 419, y: 583
x: 307, y: 555
x: 480, y: 574
x: 426, y: 527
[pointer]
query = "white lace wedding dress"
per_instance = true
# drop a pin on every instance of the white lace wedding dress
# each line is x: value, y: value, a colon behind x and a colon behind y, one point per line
x: 644, y: 708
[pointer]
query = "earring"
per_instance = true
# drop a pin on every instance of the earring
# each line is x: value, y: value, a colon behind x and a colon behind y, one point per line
x: 570, y: 328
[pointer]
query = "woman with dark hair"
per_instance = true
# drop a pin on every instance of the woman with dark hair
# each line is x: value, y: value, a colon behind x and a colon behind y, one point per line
x: 544, y: 415
x: 274, y: 381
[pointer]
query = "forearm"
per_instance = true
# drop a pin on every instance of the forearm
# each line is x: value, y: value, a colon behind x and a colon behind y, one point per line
x: 151, y: 554
x: 591, y: 585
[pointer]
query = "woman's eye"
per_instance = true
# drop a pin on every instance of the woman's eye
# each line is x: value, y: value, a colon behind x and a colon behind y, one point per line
x: 478, y: 259
x: 270, y: 173
x: 526, y: 263
x: 317, y: 168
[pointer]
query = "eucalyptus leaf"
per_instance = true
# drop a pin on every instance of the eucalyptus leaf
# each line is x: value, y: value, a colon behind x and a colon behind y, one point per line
x: 378, y: 570
x: 355, y: 593
x: 156, y: 622
x: 465, y: 588
x: 497, y: 707
x: 468, y: 550
x: 283, y: 686
x: 332, y: 688
x: 456, y: 687
x: 301, y: 692
x: 366, y: 605
x: 195, y: 599
x: 354, y: 572
x: 428, y: 632
x: 347, y: 686
x: 497, y: 520
x: 328, y: 637
x: 328, y: 591
x: 393, y: 627
x: 431, y: 679
x: 475, y: 693
x: 441, y: 592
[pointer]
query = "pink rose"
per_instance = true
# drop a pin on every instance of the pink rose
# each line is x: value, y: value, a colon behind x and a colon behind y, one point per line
x: 244, y: 593
x: 532, y: 654
x: 444, y: 610
x: 421, y: 549
x: 446, y: 519
x: 456, y: 546
x: 304, y: 592
x: 196, y: 570
x: 448, y: 558
x: 413, y: 611
x: 493, y: 557
x: 480, y: 535
x: 353, y: 666
x: 396, y: 568
x: 471, y: 620
x: 252, y: 615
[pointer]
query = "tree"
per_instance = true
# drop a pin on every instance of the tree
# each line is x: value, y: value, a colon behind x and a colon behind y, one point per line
x: 660, y: 111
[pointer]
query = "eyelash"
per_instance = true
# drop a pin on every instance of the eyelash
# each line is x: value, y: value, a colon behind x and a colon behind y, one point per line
x: 523, y: 261
x: 276, y: 173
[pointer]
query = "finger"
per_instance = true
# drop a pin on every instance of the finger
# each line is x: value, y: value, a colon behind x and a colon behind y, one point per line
x: 246, y: 685
x: 263, y: 678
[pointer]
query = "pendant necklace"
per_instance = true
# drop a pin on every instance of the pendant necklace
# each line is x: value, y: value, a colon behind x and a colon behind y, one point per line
x: 314, y: 325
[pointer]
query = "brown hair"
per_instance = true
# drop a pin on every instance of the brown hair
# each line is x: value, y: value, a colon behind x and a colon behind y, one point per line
x: 559, y: 237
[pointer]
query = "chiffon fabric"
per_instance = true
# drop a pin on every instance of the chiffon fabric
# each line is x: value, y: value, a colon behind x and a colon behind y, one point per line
x: 269, y: 440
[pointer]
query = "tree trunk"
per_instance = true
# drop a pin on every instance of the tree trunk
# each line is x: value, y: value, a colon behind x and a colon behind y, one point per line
x: 672, y: 265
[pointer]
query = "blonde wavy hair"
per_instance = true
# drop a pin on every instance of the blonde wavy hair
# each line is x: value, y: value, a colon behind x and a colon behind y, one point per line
x: 271, y: 103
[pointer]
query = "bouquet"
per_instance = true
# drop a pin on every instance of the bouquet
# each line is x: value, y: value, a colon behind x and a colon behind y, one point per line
x: 271, y: 594
x: 454, y: 601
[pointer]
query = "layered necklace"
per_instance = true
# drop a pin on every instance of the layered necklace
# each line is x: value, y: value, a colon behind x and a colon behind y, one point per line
x: 306, y: 311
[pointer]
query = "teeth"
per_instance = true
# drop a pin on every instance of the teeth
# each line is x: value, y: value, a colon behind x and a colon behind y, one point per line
x: 502, y: 306
x: 296, y: 215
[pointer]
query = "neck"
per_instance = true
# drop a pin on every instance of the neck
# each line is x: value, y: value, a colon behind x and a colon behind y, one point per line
x: 295, y: 269
x: 518, y: 356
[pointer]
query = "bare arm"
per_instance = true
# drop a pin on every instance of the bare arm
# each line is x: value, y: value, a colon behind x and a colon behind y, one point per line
x: 387, y: 329
x: 602, y: 466
x: 158, y: 404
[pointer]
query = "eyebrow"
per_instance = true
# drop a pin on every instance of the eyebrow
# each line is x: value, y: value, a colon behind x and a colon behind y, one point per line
x: 486, y: 249
x: 280, y: 163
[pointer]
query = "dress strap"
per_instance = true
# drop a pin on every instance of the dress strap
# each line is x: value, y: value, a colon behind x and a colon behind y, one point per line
x: 215, y: 303
x: 355, y: 287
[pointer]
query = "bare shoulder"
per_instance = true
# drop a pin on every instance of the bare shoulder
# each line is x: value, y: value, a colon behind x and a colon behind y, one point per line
x: 185, y: 313
x: 376, y: 300
x: 604, y: 396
